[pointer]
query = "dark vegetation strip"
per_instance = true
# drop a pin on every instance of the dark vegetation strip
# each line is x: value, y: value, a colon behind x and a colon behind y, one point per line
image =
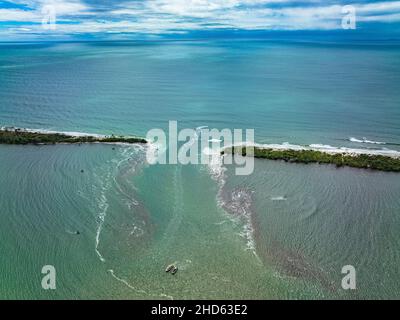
x: 365, y: 161
x: 18, y: 136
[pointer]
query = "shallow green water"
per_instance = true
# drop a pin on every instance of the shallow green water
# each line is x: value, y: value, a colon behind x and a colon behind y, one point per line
x: 283, y: 232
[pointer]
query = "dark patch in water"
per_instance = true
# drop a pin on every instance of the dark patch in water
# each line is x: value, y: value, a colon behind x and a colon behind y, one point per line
x: 238, y: 202
x: 295, y: 264
x: 140, y: 230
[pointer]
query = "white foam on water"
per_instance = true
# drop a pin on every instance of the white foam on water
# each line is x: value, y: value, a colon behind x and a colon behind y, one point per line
x: 217, y: 170
x: 280, y: 198
x: 126, y: 283
x: 324, y: 148
x: 354, y: 151
x: 215, y: 163
x: 365, y: 140
x: 201, y: 128
x: 136, y: 232
x: 129, y: 153
x: 154, y: 151
x: 67, y: 133
x: 103, y: 205
x: 71, y: 232
x: 221, y: 222
x: 238, y: 211
x: 126, y: 154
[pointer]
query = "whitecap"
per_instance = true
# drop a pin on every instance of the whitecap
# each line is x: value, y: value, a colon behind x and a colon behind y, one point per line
x: 365, y: 140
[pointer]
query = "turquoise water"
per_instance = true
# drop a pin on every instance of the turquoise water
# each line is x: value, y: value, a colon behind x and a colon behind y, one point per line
x: 283, y: 232
x: 286, y: 92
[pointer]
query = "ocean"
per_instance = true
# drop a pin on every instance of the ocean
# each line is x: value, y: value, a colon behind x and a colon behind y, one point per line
x: 283, y: 232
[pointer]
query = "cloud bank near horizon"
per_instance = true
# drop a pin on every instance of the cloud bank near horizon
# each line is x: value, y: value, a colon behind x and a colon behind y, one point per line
x: 114, y: 18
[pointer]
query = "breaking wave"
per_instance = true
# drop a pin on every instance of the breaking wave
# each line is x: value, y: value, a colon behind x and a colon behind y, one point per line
x: 365, y: 140
x: 49, y: 131
x: 325, y: 148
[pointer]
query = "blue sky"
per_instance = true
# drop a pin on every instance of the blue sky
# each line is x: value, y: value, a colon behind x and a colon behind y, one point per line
x: 126, y: 19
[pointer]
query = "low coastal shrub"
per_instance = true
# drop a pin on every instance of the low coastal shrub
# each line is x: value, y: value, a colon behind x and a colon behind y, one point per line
x: 376, y: 162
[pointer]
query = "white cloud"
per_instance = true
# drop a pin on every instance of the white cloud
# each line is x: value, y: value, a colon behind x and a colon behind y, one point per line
x: 378, y: 7
x: 387, y: 18
x: 164, y: 16
x: 19, y: 15
x: 34, y: 8
x: 65, y: 8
